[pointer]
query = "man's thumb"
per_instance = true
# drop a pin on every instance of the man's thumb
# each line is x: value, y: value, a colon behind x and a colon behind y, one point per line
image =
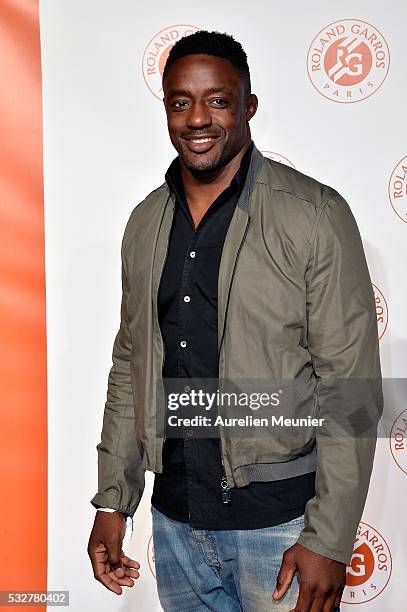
x: 284, y: 578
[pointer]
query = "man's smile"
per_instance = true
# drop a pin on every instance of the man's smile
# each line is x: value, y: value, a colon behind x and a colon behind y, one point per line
x: 200, y: 144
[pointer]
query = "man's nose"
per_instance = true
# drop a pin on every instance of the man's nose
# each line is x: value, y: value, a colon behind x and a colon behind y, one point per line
x: 198, y: 116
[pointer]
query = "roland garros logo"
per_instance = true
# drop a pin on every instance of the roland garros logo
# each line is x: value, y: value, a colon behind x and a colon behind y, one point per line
x: 382, y: 311
x: 398, y: 441
x: 278, y: 158
x: 156, y: 53
x: 348, y: 60
x: 369, y: 570
x: 150, y: 555
x: 398, y: 189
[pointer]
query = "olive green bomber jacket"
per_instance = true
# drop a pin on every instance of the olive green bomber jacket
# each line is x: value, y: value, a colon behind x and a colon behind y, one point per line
x: 295, y: 301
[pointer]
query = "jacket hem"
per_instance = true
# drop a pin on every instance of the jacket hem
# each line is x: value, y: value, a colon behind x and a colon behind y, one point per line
x: 105, y: 501
x: 316, y: 547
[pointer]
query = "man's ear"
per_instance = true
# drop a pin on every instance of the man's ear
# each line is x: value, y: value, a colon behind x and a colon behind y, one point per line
x: 251, y: 107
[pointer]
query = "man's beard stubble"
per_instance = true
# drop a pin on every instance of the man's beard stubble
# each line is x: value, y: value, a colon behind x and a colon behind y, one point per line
x: 204, y: 167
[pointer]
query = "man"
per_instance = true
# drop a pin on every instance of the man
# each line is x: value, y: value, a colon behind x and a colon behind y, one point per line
x: 237, y: 267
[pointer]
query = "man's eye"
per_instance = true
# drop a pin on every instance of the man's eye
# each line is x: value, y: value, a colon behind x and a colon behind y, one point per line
x: 219, y: 101
x: 179, y: 103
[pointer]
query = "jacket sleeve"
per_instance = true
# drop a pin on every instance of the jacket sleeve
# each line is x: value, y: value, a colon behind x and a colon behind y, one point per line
x: 344, y: 347
x: 120, y: 473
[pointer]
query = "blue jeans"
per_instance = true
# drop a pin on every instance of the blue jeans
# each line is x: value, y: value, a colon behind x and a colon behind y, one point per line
x: 226, y: 571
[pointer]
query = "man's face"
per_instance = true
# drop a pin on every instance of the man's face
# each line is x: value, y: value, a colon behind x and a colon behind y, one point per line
x: 207, y: 110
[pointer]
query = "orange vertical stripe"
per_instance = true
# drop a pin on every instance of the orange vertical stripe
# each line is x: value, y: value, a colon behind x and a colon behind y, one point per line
x: 23, y: 391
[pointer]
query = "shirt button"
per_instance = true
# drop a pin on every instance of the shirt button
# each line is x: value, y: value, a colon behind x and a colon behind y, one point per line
x: 183, y: 343
x: 187, y: 388
x: 187, y: 298
x: 192, y: 254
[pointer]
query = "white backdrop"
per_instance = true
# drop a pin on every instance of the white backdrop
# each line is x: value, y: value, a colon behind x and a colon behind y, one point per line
x: 106, y: 147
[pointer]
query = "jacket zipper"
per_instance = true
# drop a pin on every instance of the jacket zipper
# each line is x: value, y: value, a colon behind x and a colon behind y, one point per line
x: 161, y: 338
x: 225, y: 488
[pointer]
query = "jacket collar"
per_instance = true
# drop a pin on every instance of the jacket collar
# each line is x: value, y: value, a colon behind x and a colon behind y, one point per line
x: 253, y: 176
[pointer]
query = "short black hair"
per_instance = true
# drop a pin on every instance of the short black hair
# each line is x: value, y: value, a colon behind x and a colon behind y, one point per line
x: 211, y: 43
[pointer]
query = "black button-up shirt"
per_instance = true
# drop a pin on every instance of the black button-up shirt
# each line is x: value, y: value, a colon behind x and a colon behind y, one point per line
x: 189, y: 488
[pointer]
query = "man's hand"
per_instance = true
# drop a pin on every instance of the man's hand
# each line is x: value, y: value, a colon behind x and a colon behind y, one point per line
x: 110, y: 565
x: 322, y: 580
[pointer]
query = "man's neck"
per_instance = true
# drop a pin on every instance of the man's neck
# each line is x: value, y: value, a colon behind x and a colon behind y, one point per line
x: 200, y: 192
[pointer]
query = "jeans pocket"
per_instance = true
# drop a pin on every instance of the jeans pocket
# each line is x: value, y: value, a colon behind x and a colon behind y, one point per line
x: 299, y: 520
